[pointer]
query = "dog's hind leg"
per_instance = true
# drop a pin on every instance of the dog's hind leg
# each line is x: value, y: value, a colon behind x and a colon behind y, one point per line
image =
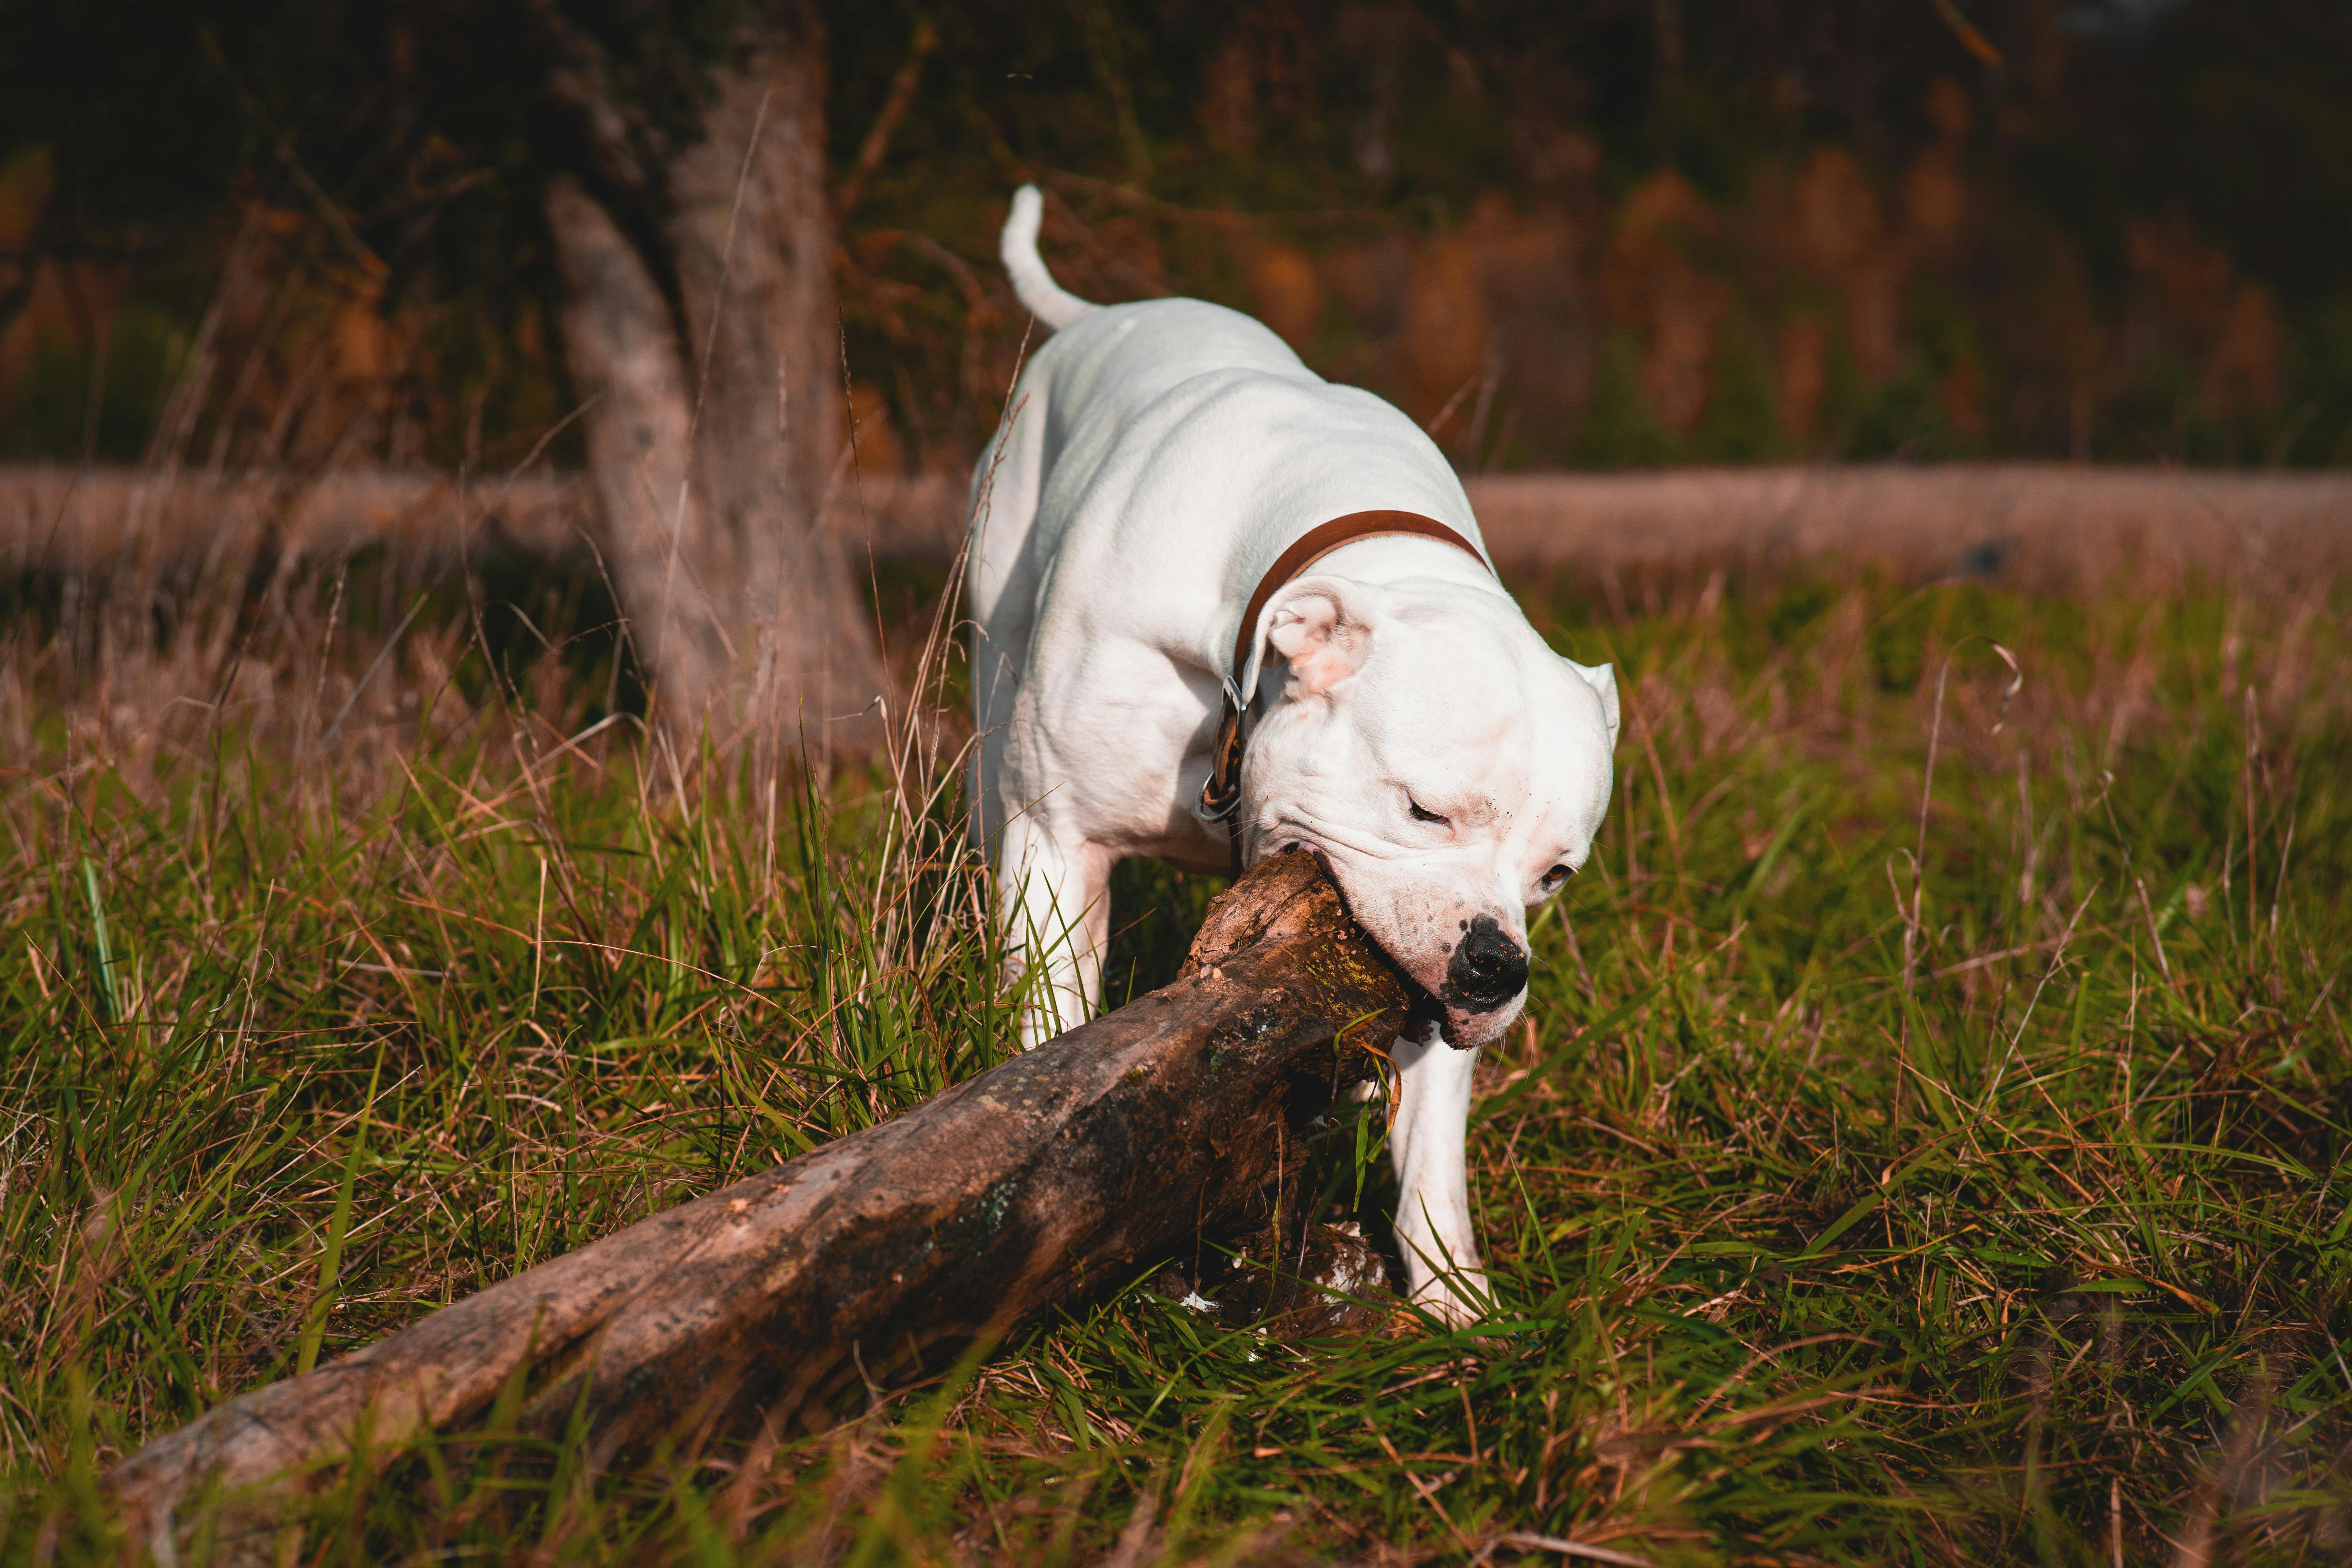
x: 1056, y: 891
x: 1441, y: 1255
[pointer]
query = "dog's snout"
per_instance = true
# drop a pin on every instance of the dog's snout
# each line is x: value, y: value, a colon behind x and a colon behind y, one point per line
x: 1489, y: 968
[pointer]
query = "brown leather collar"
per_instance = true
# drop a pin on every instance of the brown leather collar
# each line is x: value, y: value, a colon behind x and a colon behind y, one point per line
x: 1321, y: 541
x: 1222, y: 792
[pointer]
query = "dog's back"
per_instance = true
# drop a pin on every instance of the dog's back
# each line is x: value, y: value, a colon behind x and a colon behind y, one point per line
x: 1114, y: 379
x: 1148, y: 448
x: 1096, y: 379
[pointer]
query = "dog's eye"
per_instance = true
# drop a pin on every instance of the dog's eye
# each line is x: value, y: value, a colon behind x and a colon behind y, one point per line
x: 1421, y: 815
x: 1557, y: 875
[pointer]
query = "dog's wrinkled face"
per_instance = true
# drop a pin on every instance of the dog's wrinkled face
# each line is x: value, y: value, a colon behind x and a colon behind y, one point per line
x: 1448, y: 766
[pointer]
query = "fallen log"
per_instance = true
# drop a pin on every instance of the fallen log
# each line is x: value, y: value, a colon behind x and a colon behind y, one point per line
x: 1057, y: 1172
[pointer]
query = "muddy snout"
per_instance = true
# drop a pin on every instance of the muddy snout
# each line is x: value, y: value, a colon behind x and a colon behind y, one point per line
x: 1488, y: 971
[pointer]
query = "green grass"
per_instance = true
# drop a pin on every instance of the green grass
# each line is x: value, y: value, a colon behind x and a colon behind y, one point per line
x: 1843, y: 1202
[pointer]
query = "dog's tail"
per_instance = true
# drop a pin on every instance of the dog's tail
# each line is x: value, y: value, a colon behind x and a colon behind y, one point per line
x: 1047, y: 301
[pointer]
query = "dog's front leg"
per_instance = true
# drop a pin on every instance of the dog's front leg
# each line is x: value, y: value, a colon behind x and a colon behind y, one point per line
x: 1441, y: 1255
x: 1056, y: 891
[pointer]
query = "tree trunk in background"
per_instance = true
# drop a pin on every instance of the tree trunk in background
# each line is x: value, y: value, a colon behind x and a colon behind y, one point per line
x: 772, y: 413
x: 621, y: 348
x: 742, y: 608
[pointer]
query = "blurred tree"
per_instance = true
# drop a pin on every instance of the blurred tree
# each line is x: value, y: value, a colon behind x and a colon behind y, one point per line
x: 656, y: 172
x: 695, y: 251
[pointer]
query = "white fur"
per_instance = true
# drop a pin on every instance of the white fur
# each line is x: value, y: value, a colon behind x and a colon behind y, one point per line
x: 1047, y: 301
x: 1156, y: 460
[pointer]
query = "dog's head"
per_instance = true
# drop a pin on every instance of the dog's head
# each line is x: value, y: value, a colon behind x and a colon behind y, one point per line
x: 1450, y: 769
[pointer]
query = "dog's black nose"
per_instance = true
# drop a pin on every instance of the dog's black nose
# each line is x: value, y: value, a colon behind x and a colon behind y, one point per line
x: 1489, y: 968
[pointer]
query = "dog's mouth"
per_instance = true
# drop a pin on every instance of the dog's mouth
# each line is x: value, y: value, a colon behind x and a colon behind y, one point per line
x: 1424, y: 1015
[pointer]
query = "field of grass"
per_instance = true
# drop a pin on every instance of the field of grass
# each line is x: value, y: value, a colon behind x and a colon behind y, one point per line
x: 1921, y: 1146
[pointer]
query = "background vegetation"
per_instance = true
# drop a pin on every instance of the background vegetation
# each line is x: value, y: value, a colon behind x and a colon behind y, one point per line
x: 1621, y: 232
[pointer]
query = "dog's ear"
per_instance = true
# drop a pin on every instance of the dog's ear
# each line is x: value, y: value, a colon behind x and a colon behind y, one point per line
x: 1602, y: 679
x: 1323, y: 626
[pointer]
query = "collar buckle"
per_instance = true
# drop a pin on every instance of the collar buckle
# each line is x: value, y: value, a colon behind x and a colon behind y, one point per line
x: 1221, y: 793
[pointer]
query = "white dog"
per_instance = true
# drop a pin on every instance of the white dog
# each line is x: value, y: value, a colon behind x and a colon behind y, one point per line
x: 1168, y: 472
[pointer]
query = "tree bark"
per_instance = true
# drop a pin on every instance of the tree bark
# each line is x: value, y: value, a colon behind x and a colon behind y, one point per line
x: 1054, y: 1174
x: 700, y: 330
x: 622, y: 352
